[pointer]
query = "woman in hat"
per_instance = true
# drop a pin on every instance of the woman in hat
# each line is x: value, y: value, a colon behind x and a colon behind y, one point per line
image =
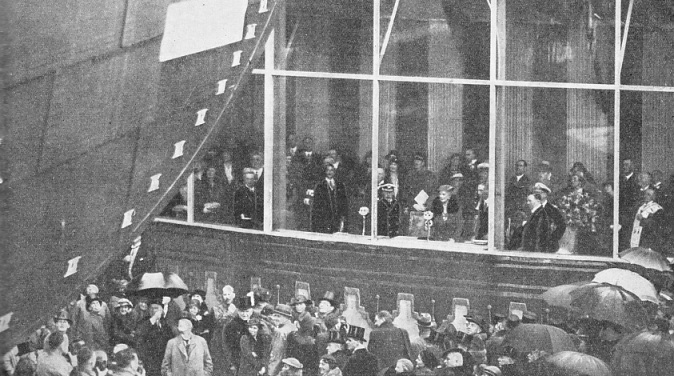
x: 93, y: 328
x: 456, y: 362
x: 302, y: 343
x: 291, y: 367
x: 123, y: 324
x: 426, y: 363
x: 202, y: 321
x: 327, y: 366
x: 254, y: 351
x: 444, y: 208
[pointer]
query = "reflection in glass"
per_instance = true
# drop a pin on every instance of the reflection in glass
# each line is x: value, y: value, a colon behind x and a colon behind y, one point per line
x: 557, y: 143
x: 647, y: 171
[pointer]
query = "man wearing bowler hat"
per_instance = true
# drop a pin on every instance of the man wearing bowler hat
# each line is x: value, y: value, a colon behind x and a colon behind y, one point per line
x: 361, y: 362
x: 233, y: 332
x: 281, y: 317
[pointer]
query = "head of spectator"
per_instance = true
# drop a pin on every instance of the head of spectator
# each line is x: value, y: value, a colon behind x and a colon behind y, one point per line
x: 425, y: 324
x: 53, y: 341
x: 381, y: 174
x: 226, y: 157
x: 329, y: 170
x: 393, y: 165
x: 282, y: 315
x: 256, y: 160
x: 94, y: 305
x: 156, y: 308
x: 383, y: 317
x: 470, y: 156
x: 520, y: 167
x: 127, y: 360
x: 544, y: 171
x: 355, y: 338
x: 326, y: 364
x: 607, y: 187
x: 124, y: 306
x: 454, y: 163
x: 300, y: 303
x: 291, y: 140
x: 327, y: 303
x: 534, y: 200
x: 101, y: 361
x: 228, y: 294
x: 644, y: 180
x: 185, y: 328
x: 249, y: 178
x: 483, y: 172
x: 244, y: 307
x: 334, y: 154
x: 367, y: 158
x: 308, y: 144
x: 543, y: 190
x: 62, y: 321
x: 211, y: 173
x: 419, y: 162
x: 512, y: 322
x: 456, y: 181
x: 335, y: 342
x: 578, y: 168
x: 426, y: 359
x: 576, y: 181
x: 193, y: 308
x: 199, y: 295
x: 445, y: 193
x: 141, y: 304
x: 291, y: 367
x: 328, y: 160
x: 75, y: 346
x: 458, y: 360
x: 475, y: 324
x: 91, y: 291
x: 649, y: 195
x: 86, y: 360
x: 388, y: 191
x: 482, y: 191
x: 628, y: 167
x: 254, y: 326
x: 404, y: 366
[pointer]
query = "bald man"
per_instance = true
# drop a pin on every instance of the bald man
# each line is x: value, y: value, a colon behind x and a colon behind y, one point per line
x: 187, y: 354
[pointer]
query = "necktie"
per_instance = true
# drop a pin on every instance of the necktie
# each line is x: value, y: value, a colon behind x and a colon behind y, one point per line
x: 331, y: 183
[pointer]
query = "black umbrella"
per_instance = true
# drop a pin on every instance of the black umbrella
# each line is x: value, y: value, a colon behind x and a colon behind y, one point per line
x: 157, y: 285
x: 644, y: 353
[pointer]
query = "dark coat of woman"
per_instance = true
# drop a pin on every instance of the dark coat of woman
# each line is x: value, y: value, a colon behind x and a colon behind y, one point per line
x: 329, y: 208
x: 123, y: 329
x: 254, y: 354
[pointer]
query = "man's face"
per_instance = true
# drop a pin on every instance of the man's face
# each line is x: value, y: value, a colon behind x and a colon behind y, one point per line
x: 482, y: 191
x: 333, y: 347
x: 532, y: 202
x: 194, y: 310
x: 257, y: 161
x: 628, y: 168
x: 228, y: 294
x: 62, y: 325
x: 330, y: 172
x: 470, y: 155
x: 253, y: 329
x: 156, y: 309
x: 644, y: 179
x: 245, y: 314
x: 378, y: 320
x: 323, y: 366
x: 457, y: 183
x: 249, y: 180
x: 351, y: 343
x: 308, y: 143
x: 226, y: 157
x: 210, y: 173
x: 419, y: 164
x: 300, y: 307
x: 443, y: 196
x: 291, y: 141
x: 473, y: 328
x: 184, y: 326
x: 393, y: 167
x: 388, y: 195
x: 142, y: 305
x: 325, y: 307
x: 278, y: 320
x: 124, y: 310
x: 95, y: 306
x: 520, y: 168
x: 649, y: 195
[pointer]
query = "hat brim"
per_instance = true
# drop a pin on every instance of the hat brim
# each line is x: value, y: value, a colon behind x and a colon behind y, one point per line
x: 56, y: 318
x: 307, y: 302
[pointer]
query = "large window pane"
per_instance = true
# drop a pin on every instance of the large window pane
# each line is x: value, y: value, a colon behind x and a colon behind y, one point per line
x: 558, y: 41
x: 428, y: 39
x: 333, y: 36
x: 646, y: 141
x: 321, y: 121
x: 433, y: 145
x: 650, y: 44
x: 562, y: 139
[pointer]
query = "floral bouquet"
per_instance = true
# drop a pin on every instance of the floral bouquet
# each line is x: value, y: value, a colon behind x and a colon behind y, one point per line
x: 580, y: 210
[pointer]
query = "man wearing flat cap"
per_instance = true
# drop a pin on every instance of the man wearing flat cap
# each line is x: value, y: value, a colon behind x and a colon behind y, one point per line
x: 361, y: 362
x: 281, y: 316
x: 388, y: 212
x: 424, y: 341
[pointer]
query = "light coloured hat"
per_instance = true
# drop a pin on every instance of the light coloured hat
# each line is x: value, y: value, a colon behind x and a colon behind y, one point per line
x: 293, y: 363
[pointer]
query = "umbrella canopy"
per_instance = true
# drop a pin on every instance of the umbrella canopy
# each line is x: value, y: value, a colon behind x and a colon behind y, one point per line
x: 630, y: 281
x: 560, y: 296
x: 575, y: 363
x: 156, y: 285
x: 644, y: 353
x: 647, y: 258
x: 610, y: 303
x: 526, y: 338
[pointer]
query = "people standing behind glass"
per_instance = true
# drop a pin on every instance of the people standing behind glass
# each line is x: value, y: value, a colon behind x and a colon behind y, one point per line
x: 579, y: 169
x: 452, y: 168
x: 388, y: 212
x: 417, y: 180
x: 628, y: 196
x: 648, y: 228
x: 517, y: 189
x: 394, y: 177
x: 445, y: 224
x: 556, y: 220
x: 248, y: 203
x: 209, y: 195
x: 306, y: 168
x: 536, y: 232
x: 329, y: 206
x: 546, y: 177
x: 343, y: 166
x: 471, y: 178
x: 482, y: 209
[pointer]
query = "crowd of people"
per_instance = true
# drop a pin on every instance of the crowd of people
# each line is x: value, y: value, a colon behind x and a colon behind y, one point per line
x: 249, y: 336
x: 326, y: 193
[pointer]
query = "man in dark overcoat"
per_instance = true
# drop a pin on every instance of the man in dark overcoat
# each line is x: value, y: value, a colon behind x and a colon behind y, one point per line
x: 361, y: 362
x: 329, y: 207
x: 387, y: 342
x: 536, y: 233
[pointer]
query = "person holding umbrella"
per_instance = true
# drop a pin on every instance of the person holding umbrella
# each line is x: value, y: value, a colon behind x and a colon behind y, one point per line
x: 153, y: 335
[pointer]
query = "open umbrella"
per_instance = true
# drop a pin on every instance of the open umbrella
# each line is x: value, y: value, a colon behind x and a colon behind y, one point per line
x: 575, y: 363
x: 611, y: 303
x: 526, y: 338
x: 647, y: 258
x: 630, y: 281
x: 156, y: 285
x: 644, y: 353
x: 560, y: 296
